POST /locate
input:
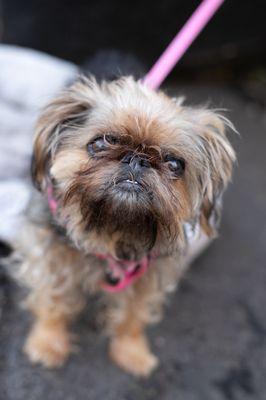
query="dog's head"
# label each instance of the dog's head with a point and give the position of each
(129, 166)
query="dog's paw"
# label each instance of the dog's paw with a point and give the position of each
(133, 355)
(48, 346)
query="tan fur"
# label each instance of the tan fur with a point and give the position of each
(132, 353)
(49, 342)
(61, 270)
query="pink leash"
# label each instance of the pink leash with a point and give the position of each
(181, 43)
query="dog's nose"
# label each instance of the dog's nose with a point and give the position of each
(136, 161)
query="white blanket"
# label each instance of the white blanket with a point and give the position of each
(28, 79)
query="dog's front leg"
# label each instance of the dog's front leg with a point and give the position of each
(55, 302)
(49, 341)
(129, 347)
(52, 271)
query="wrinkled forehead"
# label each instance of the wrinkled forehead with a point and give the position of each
(150, 123)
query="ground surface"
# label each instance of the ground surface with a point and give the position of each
(212, 341)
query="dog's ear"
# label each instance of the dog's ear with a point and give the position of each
(68, 111)
(216, 158)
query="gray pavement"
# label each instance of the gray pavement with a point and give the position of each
(212, 341)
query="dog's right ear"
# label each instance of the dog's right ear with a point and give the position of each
(68, 111)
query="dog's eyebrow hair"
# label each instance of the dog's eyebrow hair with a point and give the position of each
(76, 121)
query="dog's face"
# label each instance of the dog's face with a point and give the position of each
(129, 166)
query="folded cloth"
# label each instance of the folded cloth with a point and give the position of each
(28, 79)
(14, 197)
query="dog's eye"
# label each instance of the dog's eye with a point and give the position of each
(176, 165)
(101, 143)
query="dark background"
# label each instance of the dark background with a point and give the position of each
(75, 30)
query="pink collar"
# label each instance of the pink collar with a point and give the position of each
(52, 203)
(126, 272)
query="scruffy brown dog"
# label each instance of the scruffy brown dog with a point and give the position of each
(123, 173)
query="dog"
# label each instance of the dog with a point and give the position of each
(125, 175)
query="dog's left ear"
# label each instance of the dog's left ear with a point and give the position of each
(216, 161)
(68, 111)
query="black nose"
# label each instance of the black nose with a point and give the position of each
(135, 161)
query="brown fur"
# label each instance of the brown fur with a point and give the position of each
(96, 216)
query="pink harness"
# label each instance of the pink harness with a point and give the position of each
(124, 271)
(128, 272)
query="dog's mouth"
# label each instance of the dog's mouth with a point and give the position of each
(129, 184)
(131, 181)
(120, 274)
